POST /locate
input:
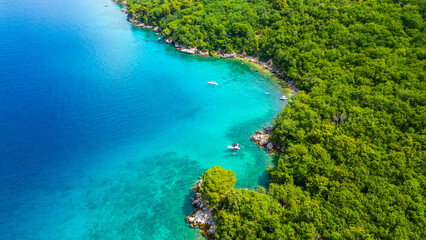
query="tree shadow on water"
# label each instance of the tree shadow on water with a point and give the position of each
(187, 207)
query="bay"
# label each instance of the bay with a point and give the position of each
(103, 130)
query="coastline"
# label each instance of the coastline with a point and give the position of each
(194, 51)
(202, 216)
(321, 41)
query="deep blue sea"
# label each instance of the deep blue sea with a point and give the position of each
(103, 130)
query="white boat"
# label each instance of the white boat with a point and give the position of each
(106, 5)
(283, 98)
(266, 92)
(212, 83)
(234, 146)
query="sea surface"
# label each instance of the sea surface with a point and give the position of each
(103, 130)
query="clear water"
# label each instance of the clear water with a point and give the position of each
(103, 130)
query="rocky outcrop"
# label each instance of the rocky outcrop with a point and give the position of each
(184, 49)
(140, 24)
(262, 139)
(203, 54)
(195, 51)
(231, 55)
(202, 216)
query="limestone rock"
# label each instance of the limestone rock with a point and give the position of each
(202, 216)
(232, 55)
(270, 146)
(262, 140)
(204, 54)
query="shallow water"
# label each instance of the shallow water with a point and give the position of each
(103, 130)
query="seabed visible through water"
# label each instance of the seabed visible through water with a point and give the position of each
(104, 130)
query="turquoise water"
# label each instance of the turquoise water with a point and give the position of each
(103, 130)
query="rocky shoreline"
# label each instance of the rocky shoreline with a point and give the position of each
(202, 216)
(266, 65)
(181, 48)
(262, 139)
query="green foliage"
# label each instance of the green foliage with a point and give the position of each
(250, 215)
(279, 4)
(354, 166)
(217, 182)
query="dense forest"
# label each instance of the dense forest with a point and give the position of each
(354, 165)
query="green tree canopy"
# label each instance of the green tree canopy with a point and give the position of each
(354, 138)
(217, 182)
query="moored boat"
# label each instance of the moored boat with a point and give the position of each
(212, 83)
(283, 98)
(234, 146)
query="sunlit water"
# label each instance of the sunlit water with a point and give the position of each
(103, 130)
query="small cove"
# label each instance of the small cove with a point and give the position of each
(104, 130)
